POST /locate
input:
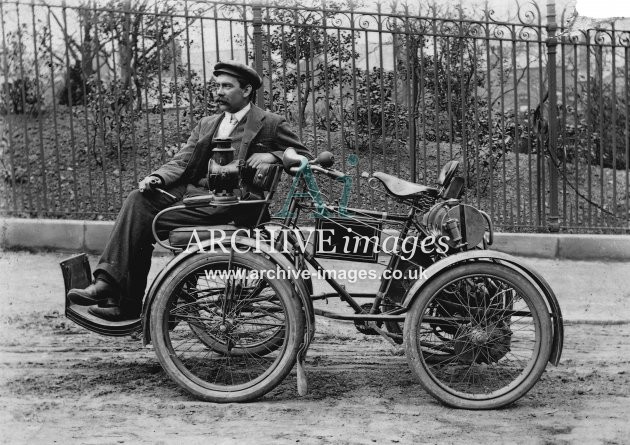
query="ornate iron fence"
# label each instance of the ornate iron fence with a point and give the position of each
(94, 96)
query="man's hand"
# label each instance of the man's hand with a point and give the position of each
(260, 158)
(149, 183)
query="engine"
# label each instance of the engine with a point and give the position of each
(463, 224)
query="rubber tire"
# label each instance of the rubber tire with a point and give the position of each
(540, 316)
(294, 330)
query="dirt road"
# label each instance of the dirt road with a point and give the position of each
(62, 384)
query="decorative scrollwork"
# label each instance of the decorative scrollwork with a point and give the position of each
(367, 22)
(393, 24)
(228, 12)
(501, 32)
(574, 37)
(198, 9)
(529, 33)
(490, 15)
(310, 17)
(338, 20)
(528, 13)
(624, 38)
(603, 37)
(475, 30)
(449, 28)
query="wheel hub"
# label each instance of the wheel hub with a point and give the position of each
(478, 336)
(227, 326)
(483, 343)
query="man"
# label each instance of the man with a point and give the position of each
(260, 136)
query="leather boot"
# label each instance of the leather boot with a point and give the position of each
(113, 313)
(95, 293)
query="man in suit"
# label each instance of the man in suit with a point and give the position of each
(258, 136)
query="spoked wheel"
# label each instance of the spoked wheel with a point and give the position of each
(478, 337)
(223, 330)
(258, 337)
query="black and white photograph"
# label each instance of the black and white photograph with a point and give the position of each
(314, 222)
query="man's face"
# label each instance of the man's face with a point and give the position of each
(230, 96)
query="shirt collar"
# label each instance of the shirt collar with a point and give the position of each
(239, 115)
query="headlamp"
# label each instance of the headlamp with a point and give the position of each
(223, 171)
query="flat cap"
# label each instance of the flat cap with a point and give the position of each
(238, 69)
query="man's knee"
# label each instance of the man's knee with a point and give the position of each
(136, 197)
(137, 204)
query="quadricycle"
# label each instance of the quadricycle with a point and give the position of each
(232, 313)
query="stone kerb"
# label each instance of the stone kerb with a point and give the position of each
(91, 236)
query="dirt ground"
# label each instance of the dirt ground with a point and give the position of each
(62, 384)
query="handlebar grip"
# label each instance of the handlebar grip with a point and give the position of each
(333, 174)
(292, 160)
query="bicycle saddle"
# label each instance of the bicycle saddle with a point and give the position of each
(401, 188)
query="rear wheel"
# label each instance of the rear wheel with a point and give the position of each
(478, 336)
(223, 329)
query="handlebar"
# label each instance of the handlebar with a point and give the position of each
(331, 173)
(294, 162)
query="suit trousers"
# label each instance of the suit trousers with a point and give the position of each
(127, 255)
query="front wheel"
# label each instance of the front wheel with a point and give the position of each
(224, 328)
(478, 337)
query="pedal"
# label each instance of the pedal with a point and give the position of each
(365, 327)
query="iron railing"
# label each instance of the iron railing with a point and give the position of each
(96, 95)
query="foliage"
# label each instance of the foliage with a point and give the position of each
(116, 55)
(307, 61)
(20, 97)
(192, 94)
(111, 117)
(488, 141)
(22, 93)
(597, 126)
(311, 67)
(371, 111)
(444, 87)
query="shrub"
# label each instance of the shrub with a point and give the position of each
(21, 97)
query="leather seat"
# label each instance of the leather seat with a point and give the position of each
(181, 237)
(403, 189)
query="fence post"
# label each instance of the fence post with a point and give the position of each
(552, 42)
(412, 52)
(258, 49)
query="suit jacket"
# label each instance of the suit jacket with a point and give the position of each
(265, 132)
